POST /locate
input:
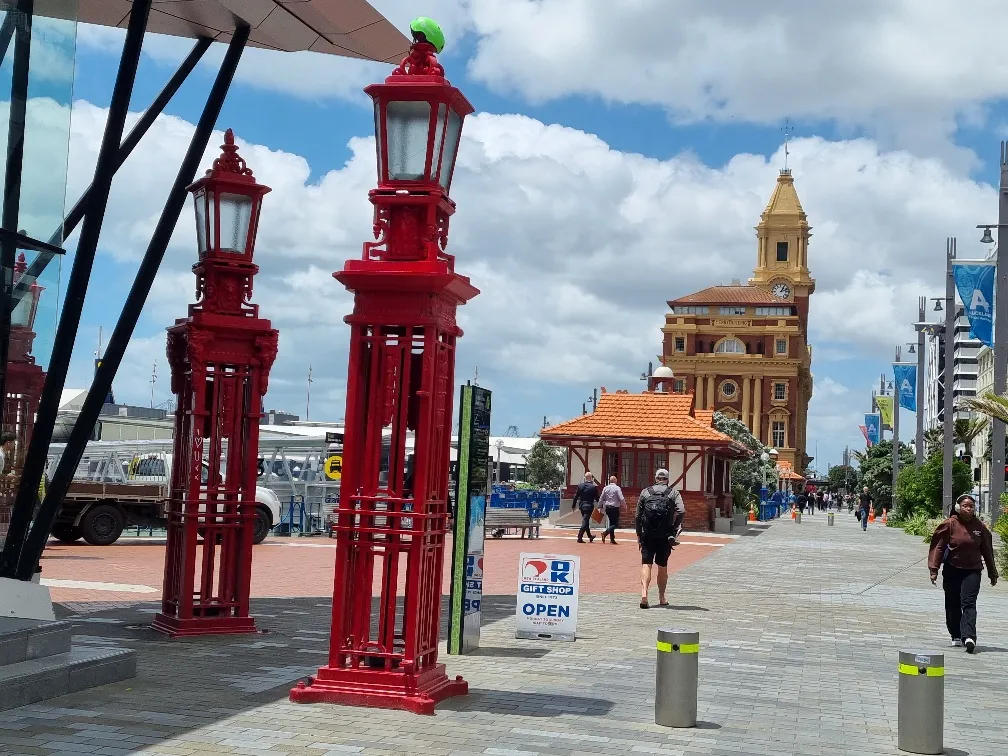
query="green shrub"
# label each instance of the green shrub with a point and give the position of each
(919, 487)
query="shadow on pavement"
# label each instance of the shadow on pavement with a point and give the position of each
(684, 608)
(504, 652)
(526, 703)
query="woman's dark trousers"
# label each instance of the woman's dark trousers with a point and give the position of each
(961, 590)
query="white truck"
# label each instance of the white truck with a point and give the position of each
(125, 483)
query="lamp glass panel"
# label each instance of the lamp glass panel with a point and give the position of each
(438, 133)
(453, 132)
(235, 218)
(199, 205)
(22, 313)
(378, 136)
(408, 125)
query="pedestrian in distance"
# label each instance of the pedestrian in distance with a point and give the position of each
(961, 545)
(585, 498)
(611, 500)
(655, 523)
(864, 507)
(802, 500)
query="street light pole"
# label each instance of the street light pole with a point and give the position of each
(997, 473)
(949, 404)
(921, 304)
(895, 434)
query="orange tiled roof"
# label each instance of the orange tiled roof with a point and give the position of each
(651, 415)
(786, 472)
(728, 295)
(704, 416)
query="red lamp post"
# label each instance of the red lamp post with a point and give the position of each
(24, 378)
(391, 519)
(220, 358)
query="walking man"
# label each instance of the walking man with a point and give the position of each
(864, 507)
(584, 499)
(611, 500)
(655, 521)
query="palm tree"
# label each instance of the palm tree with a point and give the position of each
(967, 430)
(994, 406)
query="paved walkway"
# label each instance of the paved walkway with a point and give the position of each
(800, 629)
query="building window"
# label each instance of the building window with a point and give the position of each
(782, 251)
(680, 343)
(729, 390)
(779, 312)
(730, 346)
(778, 432)
(732, 310)
(779, 391)
(691, 310)
(645, 473)
(626, 468)
(781, 347)
(679, 385)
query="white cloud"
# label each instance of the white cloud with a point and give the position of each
(576, 248)
(908, 71)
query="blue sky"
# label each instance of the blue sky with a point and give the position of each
(580, 218)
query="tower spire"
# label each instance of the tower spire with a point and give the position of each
(788, 130)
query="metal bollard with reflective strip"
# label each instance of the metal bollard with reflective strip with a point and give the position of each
(829, 519)
(676, 677)
(921, 702)
(797, 517)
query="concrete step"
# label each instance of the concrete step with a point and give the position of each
(26, 639)
(81, 667)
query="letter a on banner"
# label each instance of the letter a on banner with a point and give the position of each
(975, 283)
(873, 423)
(906, 384)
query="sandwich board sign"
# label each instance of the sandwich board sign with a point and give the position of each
(547, 596)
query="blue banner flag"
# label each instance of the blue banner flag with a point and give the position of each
(906, 384)
(873, 423)
(975, 283)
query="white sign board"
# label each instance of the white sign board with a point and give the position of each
(547, 596)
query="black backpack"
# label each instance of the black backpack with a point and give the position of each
(656, 509)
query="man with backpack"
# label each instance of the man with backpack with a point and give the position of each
(656, 512)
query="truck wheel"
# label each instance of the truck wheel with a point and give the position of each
(263, 525)
(102, 525)
(66, 533)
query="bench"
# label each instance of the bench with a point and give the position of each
(500, 520)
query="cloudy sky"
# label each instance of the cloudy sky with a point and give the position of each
(617, 160)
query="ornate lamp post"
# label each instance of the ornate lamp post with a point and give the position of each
(400, 378)
(24, 377)
(220, 358)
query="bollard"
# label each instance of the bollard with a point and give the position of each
(797, 517)
(676, 677)
(829, 519)
(921, 705)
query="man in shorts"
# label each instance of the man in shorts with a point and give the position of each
(656, 510)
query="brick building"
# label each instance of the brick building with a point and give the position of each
(632, 435)
(743, 349)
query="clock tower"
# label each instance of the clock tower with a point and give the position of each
(782, 248)
(743, 350)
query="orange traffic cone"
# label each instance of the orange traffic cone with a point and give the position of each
(871, 515)
(885, 516)
(752, 513)
(793, 512)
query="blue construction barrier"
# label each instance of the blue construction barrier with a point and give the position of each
(538, 503)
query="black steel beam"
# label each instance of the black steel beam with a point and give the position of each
(21, 24)
(135, 300)
(73, 302)
(6, 32)
(37, 266)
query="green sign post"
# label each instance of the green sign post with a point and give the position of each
(472, 495)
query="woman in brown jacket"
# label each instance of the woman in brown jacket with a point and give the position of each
(962, 544)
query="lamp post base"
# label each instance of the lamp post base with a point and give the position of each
(175, 627)
(380, 689)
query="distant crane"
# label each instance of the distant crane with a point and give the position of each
(511, 432)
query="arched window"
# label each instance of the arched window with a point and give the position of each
(730, 346)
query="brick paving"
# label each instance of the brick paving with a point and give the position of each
(289, 567)
(800, 629)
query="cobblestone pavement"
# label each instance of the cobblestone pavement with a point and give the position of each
(800, 629)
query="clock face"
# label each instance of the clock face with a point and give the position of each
(782, 291)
